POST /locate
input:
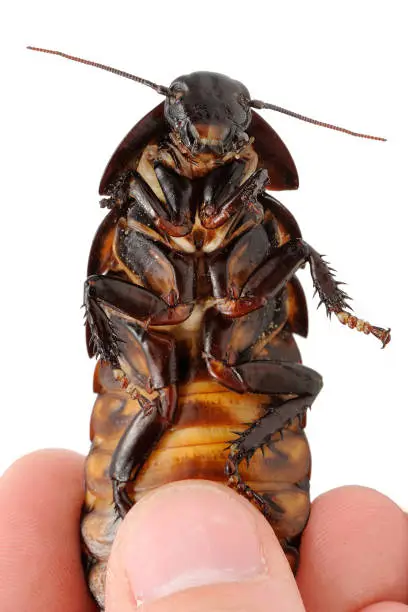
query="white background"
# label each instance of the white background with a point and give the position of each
(62, 121)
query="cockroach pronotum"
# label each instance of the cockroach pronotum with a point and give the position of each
(192, 303)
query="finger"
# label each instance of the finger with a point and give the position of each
(386, 606)
(198, 546)
(354, 552)
(40, 558)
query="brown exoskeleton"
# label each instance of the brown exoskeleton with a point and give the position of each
(191, 304)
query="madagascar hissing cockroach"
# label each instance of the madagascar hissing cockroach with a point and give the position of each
(192, 304)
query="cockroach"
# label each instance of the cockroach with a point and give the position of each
(192, 303)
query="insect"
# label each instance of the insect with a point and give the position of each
(192, 303)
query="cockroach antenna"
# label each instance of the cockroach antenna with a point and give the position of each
(279, 109)
(161, 89)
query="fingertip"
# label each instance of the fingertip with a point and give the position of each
(195, 545)
(46, 461)
(40, 503)
(386, 606)
(354, 551)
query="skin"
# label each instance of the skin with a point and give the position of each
(354, 555)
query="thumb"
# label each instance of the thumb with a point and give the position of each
(198, 546)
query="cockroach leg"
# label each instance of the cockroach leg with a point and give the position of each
(173, 216)
(140, 434)
(335, 299)
(271, 276)
(221, 184)
(137, 442)
(330, 294)
(353, 322)
(292, 554)
(277, 270)
(288, 223)
(270, 378)
(231, 267)
(130, 346)
(118, 191)
(177, 190)
(100, 291)
(262, 433)
(213, 215)
(104, 293)
(103, 340)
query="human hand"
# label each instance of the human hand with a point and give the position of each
(354, 554)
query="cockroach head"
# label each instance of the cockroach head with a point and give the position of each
(209, 112)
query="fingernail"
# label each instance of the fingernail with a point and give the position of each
(187, 535)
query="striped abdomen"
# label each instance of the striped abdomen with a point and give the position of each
(195, 447)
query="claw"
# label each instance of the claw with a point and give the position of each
(122, 501)
(382, 334)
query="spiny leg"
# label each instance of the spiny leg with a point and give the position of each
(335, 299)
(291, 387)
(261, 434)
(144, 361)
(271, 276)
(276, 378)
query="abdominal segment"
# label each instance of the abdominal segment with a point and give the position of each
(195, 447)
